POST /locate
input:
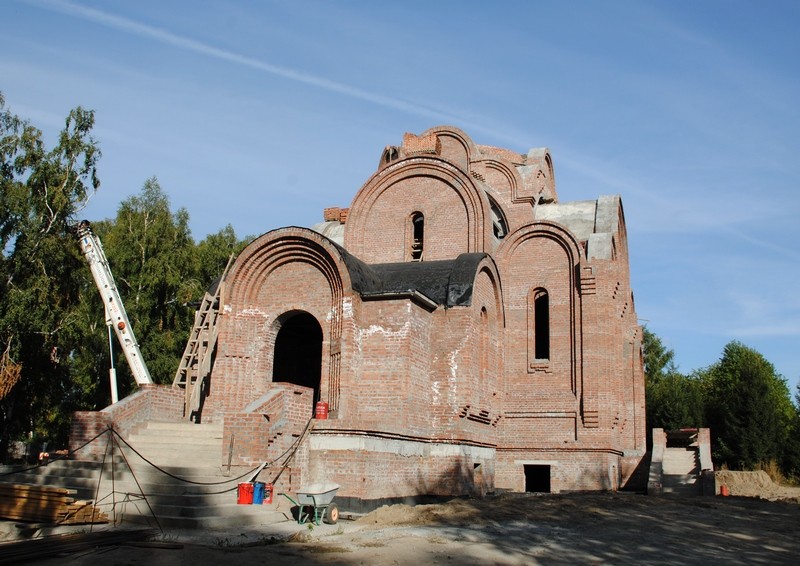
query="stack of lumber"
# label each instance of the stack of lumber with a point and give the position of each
(46, 504)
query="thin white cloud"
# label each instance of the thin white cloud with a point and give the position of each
(167, 37)
(691, 217)
(187, 44)
(777, 328)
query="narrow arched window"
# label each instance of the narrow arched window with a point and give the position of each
(499, 224)
(483, 344)
(541, 324)
(417, 236)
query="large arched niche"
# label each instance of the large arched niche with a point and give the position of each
(260, 285)
(541, 229)
(276, 248)
(544, 256)
(490, 289)
(488, 302)
(379, 211)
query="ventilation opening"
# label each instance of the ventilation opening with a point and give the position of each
(298, 353)
(537, 478)
(541, 314)
(417, 236)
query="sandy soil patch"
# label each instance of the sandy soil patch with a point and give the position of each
(513, 529)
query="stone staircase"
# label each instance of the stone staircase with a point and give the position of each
(680, 471)
(182, 486)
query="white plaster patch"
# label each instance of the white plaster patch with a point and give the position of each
(347, 307)
(378, 329)
(452, 380)
(252, 312)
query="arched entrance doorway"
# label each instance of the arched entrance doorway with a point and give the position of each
(298, 352)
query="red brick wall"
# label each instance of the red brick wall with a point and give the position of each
(371, 468)
(267, 428)
(254, 314)
(569, 470)
(455, 211)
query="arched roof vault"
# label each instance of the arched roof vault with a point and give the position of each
(278, 247)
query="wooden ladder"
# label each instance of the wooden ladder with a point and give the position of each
(195, 367)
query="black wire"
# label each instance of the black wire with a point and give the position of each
(57, 458)
(291, 450)
(173, 476)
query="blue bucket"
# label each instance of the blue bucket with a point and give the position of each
(258, 493)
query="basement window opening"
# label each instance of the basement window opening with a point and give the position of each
(537, 478)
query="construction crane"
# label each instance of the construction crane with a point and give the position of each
(116, 317)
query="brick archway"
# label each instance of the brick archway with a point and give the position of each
(297, 354)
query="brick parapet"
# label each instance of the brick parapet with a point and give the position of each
(151, 402)
(268, 428)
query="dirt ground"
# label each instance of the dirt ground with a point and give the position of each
(613, 528)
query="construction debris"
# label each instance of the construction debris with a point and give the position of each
(46, 504)
(37, 549)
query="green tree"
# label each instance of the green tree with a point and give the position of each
(658, 359)
(214, 252)
(749, 408)
(42, 191)
(154, 262)
(791, 457)
(674, 401)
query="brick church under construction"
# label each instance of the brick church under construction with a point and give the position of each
(462, 330)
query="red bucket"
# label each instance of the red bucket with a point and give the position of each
(245, 494)
(321, 412)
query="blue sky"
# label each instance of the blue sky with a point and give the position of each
(262, 113)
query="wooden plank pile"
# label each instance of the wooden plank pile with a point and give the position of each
(46, 504)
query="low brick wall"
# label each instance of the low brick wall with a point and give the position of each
(150, 402)
(381, 469)
(267, 428)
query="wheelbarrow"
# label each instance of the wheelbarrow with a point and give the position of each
(314, 503)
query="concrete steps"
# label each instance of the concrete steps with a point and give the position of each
(179, 444)
(681, 469)
(200, 495)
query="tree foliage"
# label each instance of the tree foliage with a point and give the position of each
(791, 456)
(741, 398)
(54, 345)
(674, 401)
(152, 255)
(749, 408)
(42, 190)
